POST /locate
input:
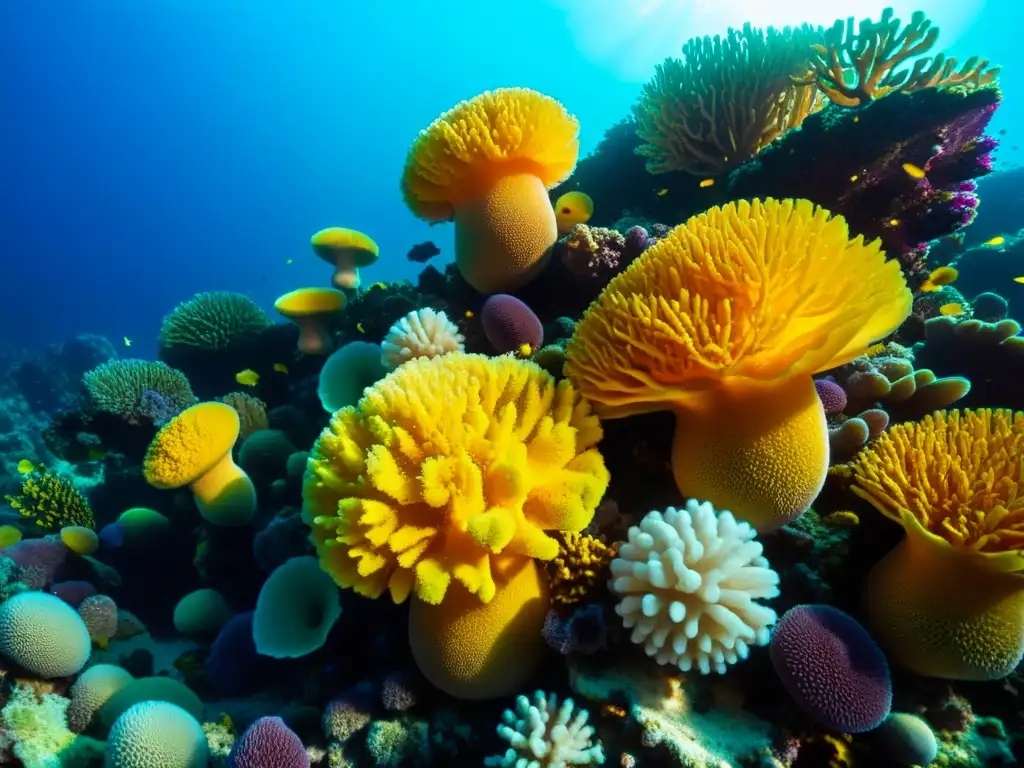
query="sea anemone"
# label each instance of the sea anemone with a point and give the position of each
(723, 322)
(948, 601)
(487, 164)
(212, 321)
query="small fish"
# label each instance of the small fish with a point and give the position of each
(994, 241)
(281, 368)
(705, 183)
(662, 192)
(913, 171)
(953, 309)
(525, 350)
(894, 222)
(854, 177)
(289, 261)
(247, 378)
(938, 278)
(856, 118)
(379, 286)
(571, 209)
(1018, 279)
(469, 314)
(1002, 132)
(359, 327)
(127, 341)
(26, 467)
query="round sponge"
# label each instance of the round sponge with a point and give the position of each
(296, 609)
(92, 690)
(201, 613)
(832, 668)
(157, 733)
(268, 743)
(43, 634)
(510, 325)
(165, 689)
(907, 740)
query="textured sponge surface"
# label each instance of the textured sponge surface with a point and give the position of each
(44, 635)
(157, 733)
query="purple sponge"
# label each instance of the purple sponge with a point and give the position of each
(268, 743)
(832, 668)
(832, 396)
(509, 324)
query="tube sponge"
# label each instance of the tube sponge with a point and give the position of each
(543, 733)
(43, 634)
(688, 580)
(157, 733)
(296, 609)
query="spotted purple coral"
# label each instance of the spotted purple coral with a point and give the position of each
(832, 396)
(268, 743)
(99, 613)
(39, 559)
(832, 668)
(508, 324)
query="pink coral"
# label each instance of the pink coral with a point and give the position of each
(832, 396)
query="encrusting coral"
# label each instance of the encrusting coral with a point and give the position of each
(725, 99)
(948, 601)
(688, 581)
(855, 65)
(581, 563)
(487, 164)
(443, 482)
(723, 322)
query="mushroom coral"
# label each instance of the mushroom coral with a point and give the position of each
(310, 308)
(948, 601)
(347, 250)
(194, 449)
(723, 322)
(447, 464)
(487, 164)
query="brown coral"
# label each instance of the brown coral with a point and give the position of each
(252, 413)
(856, 65)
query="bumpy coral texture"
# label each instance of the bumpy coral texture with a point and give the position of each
(445, 463)
(832, 668)
(37, 727)
(581, 564)
(688, 582)
(832, 396)
(252, 412)
(509, 324)
(119, 387)
(92, 690)
(44, 635)
(542, 733)
(99, 613)
(157, 733)
(268, 743)
(723, 322)
(505, 130)
(421, 333)
(212, 321)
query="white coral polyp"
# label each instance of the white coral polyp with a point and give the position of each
(545, 735)
(421, 333)
(688, 581)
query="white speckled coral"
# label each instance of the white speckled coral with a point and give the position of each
(688, 580)
(542, 734)
(421, 333)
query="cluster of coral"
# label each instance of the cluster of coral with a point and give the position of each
(744, 490)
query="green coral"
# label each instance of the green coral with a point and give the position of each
(120, 386)
(212, 321)
(220, 738)
(38, 727)
(51, 501)
(393, 743)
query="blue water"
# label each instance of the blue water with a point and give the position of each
(150, 149)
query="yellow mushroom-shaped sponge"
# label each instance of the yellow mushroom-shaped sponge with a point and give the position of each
(448, 467)
(487, 163)
(311, 310)
(723, 322)
(948, 601)
(347, 250)
(194, 449)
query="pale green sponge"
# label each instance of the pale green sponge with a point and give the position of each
(43, 634)
(40, 733)
(157, 733)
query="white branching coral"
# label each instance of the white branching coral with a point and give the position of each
(421, 333)
(545, 735)
(688, 580)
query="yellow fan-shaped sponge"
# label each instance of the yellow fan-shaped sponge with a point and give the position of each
(723, 322)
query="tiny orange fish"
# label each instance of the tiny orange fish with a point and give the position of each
(938, 278)
(953, 309)
(705, 183)
(1018, 279)
(994, 241)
